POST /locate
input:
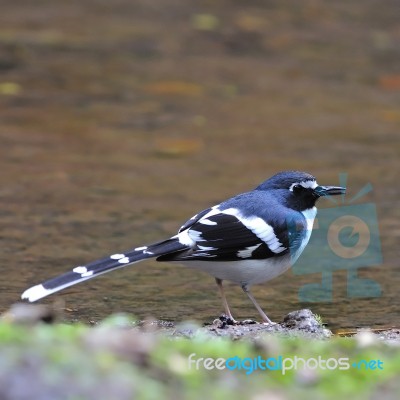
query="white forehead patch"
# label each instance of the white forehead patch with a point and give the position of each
(311, 184)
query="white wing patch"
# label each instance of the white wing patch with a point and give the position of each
(248, 251)
(260, 228)
(206, 221)
(214, 210)
(206, 248)
(184, 238)
(195, 236)
(189, 237)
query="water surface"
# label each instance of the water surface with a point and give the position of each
(119, 123)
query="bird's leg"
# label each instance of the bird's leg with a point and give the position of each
(224, 301)
(253, 300)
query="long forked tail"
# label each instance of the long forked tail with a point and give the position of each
(95, 268)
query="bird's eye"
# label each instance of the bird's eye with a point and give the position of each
(297, 188)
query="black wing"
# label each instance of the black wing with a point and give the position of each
(225, 237)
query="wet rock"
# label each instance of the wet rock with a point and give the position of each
(305, 321)
(391, 336)
(186, 329)
(297, 323)
(29, 314)
(302, 319)
(223, 321)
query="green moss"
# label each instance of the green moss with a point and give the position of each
(118, 362)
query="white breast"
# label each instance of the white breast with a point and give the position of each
(309, 215)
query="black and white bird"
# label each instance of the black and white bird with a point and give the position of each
(248, 239)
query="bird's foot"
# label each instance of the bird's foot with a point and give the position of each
(228, 319)
(223, 320)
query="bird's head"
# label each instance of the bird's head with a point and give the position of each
(300, 190)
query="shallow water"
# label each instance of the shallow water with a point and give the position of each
(117, 124)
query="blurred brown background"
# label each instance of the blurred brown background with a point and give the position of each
(121, 119)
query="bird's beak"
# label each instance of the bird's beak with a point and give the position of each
(329, 190)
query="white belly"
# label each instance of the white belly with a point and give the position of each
(248, 272)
